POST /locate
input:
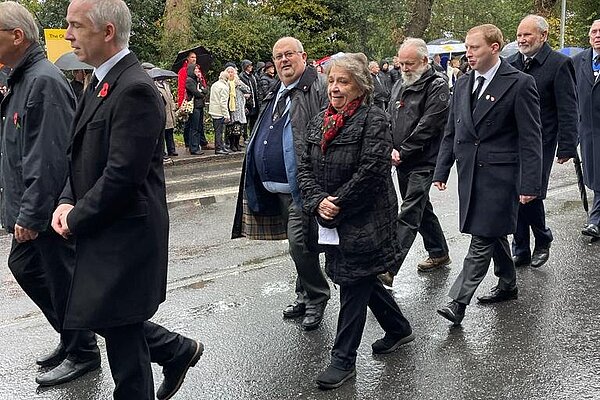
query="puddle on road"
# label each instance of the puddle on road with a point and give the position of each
(196, 285)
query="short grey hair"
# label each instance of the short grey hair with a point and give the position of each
(356, 64)
(298, 43)
(418, 44)
(15, 16)
(373, 64)
(540, 21)
(115, 12)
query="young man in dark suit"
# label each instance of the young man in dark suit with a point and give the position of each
(114, 204)
(587, 72)
(554, 76)
(493, 134)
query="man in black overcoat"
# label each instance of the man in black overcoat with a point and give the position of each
(36, 114)
(114, 204)
(494, 135)
(587, 72)
(554, 76)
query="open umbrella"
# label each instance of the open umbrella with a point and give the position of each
(445, 46)
(203, 58)
(509, 49)
(159, 74)
(570, 51)
(69, 62)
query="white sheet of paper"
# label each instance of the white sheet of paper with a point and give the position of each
(328, 236)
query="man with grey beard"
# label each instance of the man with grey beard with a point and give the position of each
(418, 109)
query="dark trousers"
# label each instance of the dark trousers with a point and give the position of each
(251, 122)
(311, 285)
(595, 211)
(481, 251)
(131, 349)
(416, 214)
(186, 131)
(219, 126)
(197, 138)
(354, 299)
(169, 141)
(531, 215)
(43, 268)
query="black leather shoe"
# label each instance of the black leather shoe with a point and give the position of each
(591, 230)
(313, 316)
(54, 358)
(496, 296)
(334, 377)
(521, 261)
(540, 256)
(173, 154)
(294, 310)
(389, 343)
(67, 371)
(174, 372)
(453, 312)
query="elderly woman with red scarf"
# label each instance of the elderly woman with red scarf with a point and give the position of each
(351, 208)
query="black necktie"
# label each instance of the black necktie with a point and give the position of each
(477, 92)
(93, 83)
(281, 103)
(527, 63)
(596, 67)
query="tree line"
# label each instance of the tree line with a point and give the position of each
(233, 30)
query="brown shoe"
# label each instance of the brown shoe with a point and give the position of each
(431, 263)
(386, 278)
(208, 146)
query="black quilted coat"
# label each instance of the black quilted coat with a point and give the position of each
(356, 168)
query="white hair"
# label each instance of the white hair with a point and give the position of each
(417, 44)
(13, 16)
(115, 12)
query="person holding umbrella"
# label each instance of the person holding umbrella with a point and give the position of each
(182, 76)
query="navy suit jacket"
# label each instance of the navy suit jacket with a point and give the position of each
(554, 76)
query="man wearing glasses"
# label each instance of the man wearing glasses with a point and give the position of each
(269, 204)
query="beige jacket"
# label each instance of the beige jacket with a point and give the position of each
(170, 107)
(219, 97)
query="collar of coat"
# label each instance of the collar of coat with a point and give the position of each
(517, 59)
(32, 55)
(309, 75)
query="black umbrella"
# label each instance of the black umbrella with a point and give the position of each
(580, 184)
(203, 58)
(159, 74)
(69, 62)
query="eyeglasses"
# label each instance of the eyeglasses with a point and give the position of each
(287, 54)
(7, 29)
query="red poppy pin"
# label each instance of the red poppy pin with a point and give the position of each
(104, 90)
(16, 120)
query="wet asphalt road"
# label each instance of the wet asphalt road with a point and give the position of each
(229, 294)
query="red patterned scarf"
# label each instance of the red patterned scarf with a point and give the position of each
(334, 120)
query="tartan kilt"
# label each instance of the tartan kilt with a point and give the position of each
(262, 227)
